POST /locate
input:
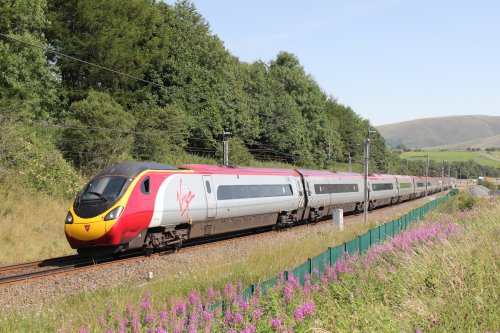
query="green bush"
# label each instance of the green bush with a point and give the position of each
(35, 161)
(98, 133)
(465, 201)
(487, 184)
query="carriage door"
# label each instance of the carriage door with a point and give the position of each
(301, 192)
(210, 196)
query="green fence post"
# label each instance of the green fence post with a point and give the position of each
(329, 256)
(285, 276)
(309, 262)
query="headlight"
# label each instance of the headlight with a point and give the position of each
(114, 214)
(69, 218)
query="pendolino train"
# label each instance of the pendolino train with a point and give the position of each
(150, 205)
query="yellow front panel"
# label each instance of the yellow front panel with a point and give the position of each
(86, 232)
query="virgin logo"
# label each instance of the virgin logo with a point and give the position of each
(184, 199)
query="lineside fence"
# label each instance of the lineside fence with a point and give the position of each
(359, 246)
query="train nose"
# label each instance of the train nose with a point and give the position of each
(86, 231)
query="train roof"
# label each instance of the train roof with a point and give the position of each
(234, 169)
(132, 169)
(327, 173)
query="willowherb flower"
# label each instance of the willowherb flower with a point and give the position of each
(288, 291)
(207, 316)
(229, 291)
(256, 315)
(101, 321)
(145, 305)
(308, 308)
(237, 318)
(163, 315)
(228, 317)
(149, 318)
(276, 323)
(193, 321)
(307, 288)
(249, 329)
(210, 293)
(298, 314)
(243, 305)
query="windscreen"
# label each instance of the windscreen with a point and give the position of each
(106, 188)
(99, 195)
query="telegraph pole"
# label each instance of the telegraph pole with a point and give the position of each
(367, 159)
(426, 174)
(225, 147)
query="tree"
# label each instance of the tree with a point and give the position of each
(28, 84)
(158, 131)
(98, 133)
(117, 34)
(309, 100)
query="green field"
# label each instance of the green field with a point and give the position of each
(480, 157)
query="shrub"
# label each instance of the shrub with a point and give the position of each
(465, 201)
(98, 133)
(487, 184)
(34, 160)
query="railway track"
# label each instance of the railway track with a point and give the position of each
(31, 271)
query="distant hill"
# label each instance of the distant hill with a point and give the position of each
(492, 141)
(440, 131)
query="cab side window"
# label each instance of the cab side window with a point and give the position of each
(145, 186)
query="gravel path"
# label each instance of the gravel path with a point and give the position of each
(37, 294)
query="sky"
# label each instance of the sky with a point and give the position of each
(389, 60)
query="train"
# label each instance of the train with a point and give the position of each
(151, 206)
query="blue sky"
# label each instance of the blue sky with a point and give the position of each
(390, 60)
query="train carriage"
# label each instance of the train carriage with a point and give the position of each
(327, 190)
(406, 188)
(383, 190)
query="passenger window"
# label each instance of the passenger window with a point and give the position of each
(209, 189)
(145, 186)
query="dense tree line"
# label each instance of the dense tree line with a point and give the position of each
(182, 88)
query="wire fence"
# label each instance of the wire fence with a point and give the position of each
(357, 246)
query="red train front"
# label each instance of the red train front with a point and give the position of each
(113, 211)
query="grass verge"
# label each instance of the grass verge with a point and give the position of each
(31, 225)
(402, 293)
